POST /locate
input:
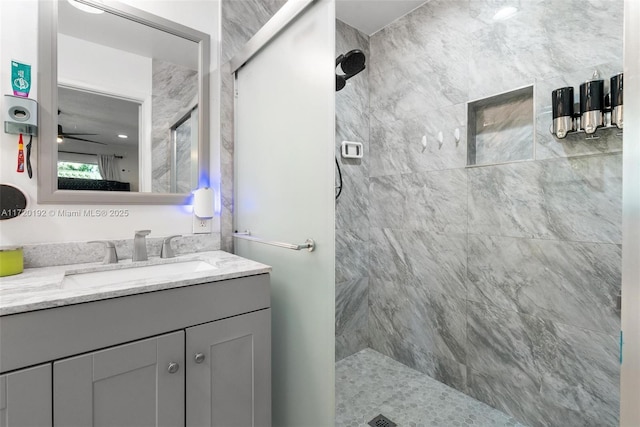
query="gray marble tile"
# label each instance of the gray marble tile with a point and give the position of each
(354, 205)
(436, 322)
(521, 400)
(352, 310)
(503, 344)
(423, 329)
(386, 195)
(389, 259)
(503, 132)
(569, 199)
(436, 201)
(183, 158)
(483, 11)
(352, 254)
(241, 20)
(53, 254)
(388, 141)
(417, 86)
(573, 283)
(450, 153)
(174, 93)
(504, 57)
(351, 342)
(434, 33)
(396, 143)
(523, 364)
(580, 371)
(432, 261)
(525, 404)
(226, 158)
(547, 146)
(540, 41)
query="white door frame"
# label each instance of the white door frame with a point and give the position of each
(630, 368)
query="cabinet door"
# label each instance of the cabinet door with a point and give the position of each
(129, 385)
(229, 372)
(25, 398)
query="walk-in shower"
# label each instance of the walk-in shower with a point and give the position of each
(497, 278)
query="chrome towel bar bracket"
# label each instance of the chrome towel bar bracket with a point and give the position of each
(309, 244)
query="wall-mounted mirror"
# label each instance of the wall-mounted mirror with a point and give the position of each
(123, 105)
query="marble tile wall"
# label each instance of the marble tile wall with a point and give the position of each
(352, 208)
(174, 94)
(503, 130)
(239, 22)
(52, 254)
(184, 179)
(497, 280)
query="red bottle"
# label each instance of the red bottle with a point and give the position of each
(20, 155)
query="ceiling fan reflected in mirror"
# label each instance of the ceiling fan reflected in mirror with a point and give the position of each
(62, 135)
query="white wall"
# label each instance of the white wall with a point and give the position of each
(18, 40)
(94, 66)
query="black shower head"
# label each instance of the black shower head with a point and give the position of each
(351, 64)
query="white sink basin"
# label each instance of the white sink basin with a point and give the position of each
(173, 270)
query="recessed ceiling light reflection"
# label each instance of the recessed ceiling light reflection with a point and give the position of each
(123, 136)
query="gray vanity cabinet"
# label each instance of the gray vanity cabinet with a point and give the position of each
(193, 355)
(137, 384)
(229, 372)
(25, 397)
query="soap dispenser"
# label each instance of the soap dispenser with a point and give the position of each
(591, 105)
(616, 100)
(562, 109)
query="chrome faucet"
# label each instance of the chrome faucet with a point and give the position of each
(167, 250)
(140, 245)
(110, 255)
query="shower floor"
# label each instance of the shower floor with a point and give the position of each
(369, 383)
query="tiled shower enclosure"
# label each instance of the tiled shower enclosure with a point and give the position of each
(499, 280)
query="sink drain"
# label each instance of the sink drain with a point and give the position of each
(381, 421)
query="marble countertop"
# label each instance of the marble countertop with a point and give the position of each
(41, 288)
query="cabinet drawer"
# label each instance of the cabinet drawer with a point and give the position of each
(41, 336)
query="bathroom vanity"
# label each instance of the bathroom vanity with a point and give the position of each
(192, 350)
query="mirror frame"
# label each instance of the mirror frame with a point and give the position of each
(47, 148)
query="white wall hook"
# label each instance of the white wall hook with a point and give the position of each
(456, 135)
(440, 139)
(424, 142)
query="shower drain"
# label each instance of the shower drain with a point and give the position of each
(381, 421)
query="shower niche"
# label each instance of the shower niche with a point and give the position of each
(500, 128)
